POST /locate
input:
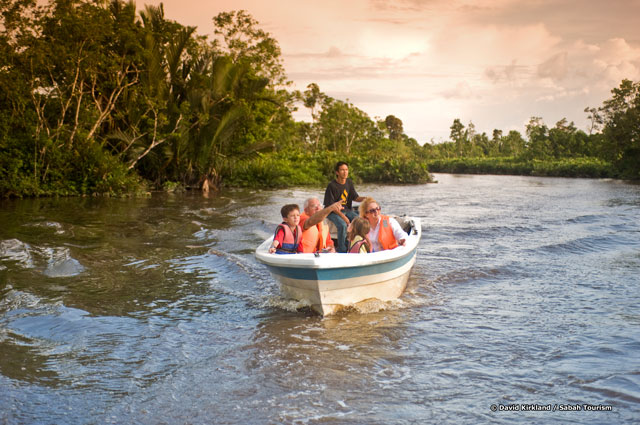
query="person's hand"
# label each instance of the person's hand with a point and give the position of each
(331, 249)
(336, 206)
(402, 242)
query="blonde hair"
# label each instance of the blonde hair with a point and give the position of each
(359, 227)
(364, 206)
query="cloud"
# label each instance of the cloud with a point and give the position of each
(406, 5)
(496, 62)
(333, 52)
(617, 59)
(462, 90)
(358, 97)
(556, 67)
(509, 73)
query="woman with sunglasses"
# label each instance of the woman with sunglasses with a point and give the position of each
(385, 232)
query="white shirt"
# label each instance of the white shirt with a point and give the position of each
(398, 233)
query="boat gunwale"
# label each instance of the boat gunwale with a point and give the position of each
(340, 260)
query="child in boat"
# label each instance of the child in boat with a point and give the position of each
(357, 235)
(288, 236)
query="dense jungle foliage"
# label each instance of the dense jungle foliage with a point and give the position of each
(96, 98)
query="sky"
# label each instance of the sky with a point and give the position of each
(495, 63)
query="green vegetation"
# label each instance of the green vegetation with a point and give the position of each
(611, 149)
(566, 167)
(97, 99)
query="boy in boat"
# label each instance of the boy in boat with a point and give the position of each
(342, 189)
(288, 236)
(357, 234)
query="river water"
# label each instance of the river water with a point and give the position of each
(525, 295)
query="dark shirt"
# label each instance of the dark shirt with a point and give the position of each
(336, 192)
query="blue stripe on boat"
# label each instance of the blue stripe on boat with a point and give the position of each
(340, 273)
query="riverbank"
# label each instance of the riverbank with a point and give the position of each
(567, 167)
(263, 171)
(294, 169)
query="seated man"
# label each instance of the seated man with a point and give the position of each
(315, 235)
(342, 189)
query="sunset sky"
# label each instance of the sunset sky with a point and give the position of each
(496, 63)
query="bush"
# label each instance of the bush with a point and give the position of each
(299, 169)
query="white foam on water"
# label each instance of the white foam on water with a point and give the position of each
(15, 299)
(61, 263)
(59, 230)
(18, 251)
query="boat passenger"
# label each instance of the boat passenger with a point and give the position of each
(342, 189)
(288, 235)
(385, 232)
(357, 234)
(315, 235)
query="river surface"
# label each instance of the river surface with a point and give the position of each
(525, 295)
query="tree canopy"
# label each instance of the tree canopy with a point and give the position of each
(97, 98)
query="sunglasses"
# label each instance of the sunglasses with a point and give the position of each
(373, 210)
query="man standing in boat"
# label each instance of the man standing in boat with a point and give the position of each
(342, 189)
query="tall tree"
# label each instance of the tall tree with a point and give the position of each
(343, 126)
(239, 36)
(457, 135)
(538, 145)
(394, 126)
(315, 100)
(621, 116)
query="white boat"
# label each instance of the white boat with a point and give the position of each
(329, 282)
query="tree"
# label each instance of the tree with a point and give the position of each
(562, 139)
(457, 135)
(513, 143)
(343, 126)
(316, 101)
(394, 126)
(76, 61)
(153, 115)
(621, 117)
(595, 119)
(538, 146)
(241, 39)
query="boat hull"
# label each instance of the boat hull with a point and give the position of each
(329, 282)
(329, 290)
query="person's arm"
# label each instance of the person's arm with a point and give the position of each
(354, 194)
(322, 214)
(400, 235)
(277, 240)
(344, 217)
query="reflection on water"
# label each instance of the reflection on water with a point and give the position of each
(154, 310)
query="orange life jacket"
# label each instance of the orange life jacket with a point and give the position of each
(314, 238)
(385, 234)
(290, 240)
